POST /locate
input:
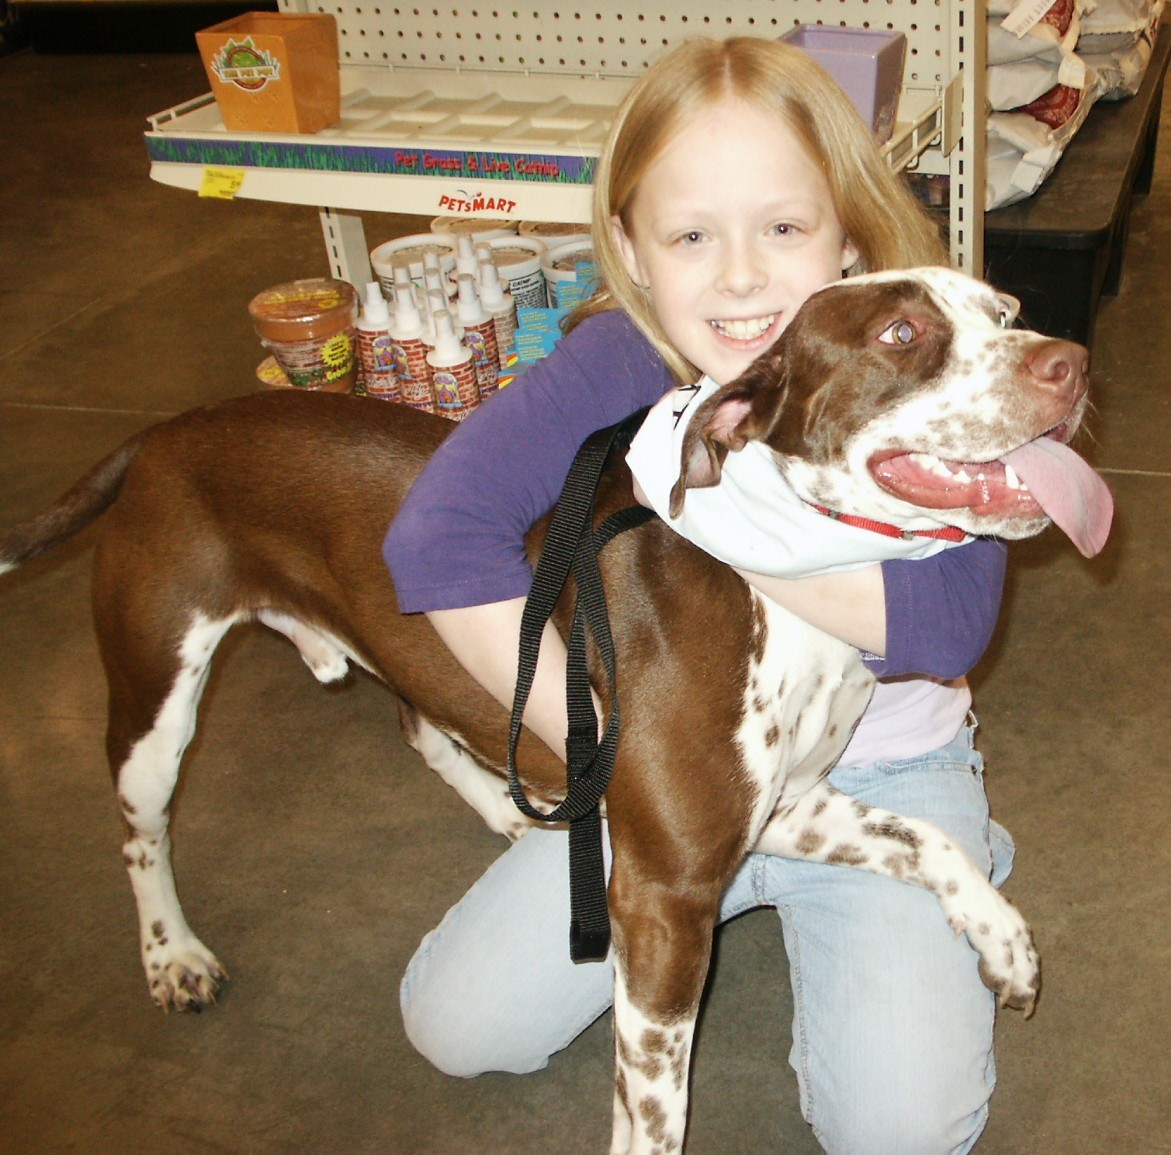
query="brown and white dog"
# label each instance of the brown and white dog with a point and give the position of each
(893, 397)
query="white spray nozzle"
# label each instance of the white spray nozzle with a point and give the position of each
(406, 313)
(491, 290)
(376, 311)
(447, 344)
(465, 259)
(470, 311)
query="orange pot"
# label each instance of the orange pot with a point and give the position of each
(274, 71)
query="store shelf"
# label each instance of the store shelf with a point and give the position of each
(502, 113)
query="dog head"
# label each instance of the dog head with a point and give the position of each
(905, 397)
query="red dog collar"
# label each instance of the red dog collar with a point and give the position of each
(947, 533)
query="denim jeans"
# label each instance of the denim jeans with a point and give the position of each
(892, 1027)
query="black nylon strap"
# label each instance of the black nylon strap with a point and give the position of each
(572, 545)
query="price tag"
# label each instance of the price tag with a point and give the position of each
(1025, 16)
(221, 182)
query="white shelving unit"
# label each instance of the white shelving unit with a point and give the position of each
(489, 111)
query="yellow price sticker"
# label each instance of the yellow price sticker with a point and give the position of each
(221, 182)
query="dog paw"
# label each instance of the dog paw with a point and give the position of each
(1010, 965)
(186, 980)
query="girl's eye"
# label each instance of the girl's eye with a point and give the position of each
(784, 230)
(692, 237)
(900, 333)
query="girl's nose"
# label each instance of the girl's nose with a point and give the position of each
(742, 272)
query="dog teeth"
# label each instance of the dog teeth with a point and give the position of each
(744, 330)
(1011, 479)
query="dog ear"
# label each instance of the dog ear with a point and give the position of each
(714, 428)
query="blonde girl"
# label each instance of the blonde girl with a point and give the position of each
(737, 179)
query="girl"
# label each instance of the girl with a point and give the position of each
(737, 180)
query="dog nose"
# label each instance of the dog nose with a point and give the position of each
(1061, 366)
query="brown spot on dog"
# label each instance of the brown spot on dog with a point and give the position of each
(652, 1114)
(893, 830)
(772, 736)
(951, 887)
(810, 841)
(654, 1041)
(846, 855)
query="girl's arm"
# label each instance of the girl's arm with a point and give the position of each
(458, 539)
(933, 616)
(456, 549)
(850, 606)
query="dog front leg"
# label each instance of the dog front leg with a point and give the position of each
(824, 825)
(662, 930)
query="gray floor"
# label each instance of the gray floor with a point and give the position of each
(312, 849)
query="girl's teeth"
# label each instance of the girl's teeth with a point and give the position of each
(744, 330)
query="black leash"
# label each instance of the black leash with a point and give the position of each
(573, 545)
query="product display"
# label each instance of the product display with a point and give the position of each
(309, 326)
(376, 348)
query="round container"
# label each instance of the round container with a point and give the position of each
(309, 326)
(519, 261)
(554, 233)
(478, 228)
(560, 266)
(407, 253)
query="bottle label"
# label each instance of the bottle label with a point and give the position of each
(505, 326)
(379, 378)
(481, 340)
(414, 374)
(456, 391)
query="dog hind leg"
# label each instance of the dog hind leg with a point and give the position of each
(824, 825)
(181, 972)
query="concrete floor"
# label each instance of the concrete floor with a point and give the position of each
(312, 849)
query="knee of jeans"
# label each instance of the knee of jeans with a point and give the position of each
(929, 1129)
(455, 1036)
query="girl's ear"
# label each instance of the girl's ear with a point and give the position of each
(627, 252)
(849, 254)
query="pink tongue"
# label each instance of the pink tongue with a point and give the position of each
(1067, 489)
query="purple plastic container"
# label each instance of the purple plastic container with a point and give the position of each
(866, 63)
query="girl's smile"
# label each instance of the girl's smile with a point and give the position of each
(732, 228)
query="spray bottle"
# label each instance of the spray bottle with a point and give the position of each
(479, 336)
(410, 354)
(375, 347)
(453, 373)
(465, 257)
(500, 306)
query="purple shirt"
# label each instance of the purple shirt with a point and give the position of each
(458, 539)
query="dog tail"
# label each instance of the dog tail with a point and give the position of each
(87, 500)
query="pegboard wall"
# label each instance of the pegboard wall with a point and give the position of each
(609, 40)
(617, 40)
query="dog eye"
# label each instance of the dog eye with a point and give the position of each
(1007, 310)
(900, 333)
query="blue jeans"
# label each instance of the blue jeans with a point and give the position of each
(892, 1027)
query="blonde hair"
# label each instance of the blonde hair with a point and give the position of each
(879, 215)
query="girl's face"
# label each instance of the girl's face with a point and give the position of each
(731, 229)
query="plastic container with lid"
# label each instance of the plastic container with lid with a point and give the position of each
(518, 260)
(561, 267)
(309, 326)
(478, 228)
(554, 234)
(410, 253)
